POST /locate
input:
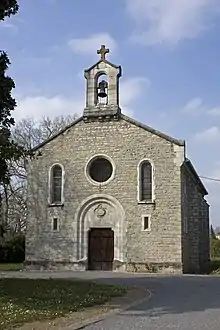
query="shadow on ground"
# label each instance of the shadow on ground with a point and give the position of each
(174, 294)
(171, 294)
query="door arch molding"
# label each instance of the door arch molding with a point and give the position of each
(85, 219)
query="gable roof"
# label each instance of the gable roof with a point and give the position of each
(126, 118)
(187, 163)
(105, 61)
(57, 134)
(153, 131)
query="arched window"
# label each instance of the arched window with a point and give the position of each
(145, 183)
(56, 184)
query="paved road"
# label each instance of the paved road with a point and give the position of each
(177, 302)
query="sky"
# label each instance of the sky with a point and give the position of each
(169, 51)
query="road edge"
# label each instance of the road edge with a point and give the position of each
(124, 307)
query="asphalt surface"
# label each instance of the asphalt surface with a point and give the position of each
(177, 302)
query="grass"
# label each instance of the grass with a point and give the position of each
(27, 300)
(10, 267)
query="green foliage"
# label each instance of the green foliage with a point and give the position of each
(9, 150)
(12, 247)
(8, 8)
(7, 101)
(212, 233)
(215, 248)
(26, 300)
(5, 267)
(214, 252)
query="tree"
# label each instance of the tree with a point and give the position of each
(9, 150)
(28, 133)
(8, 8)
(212, 233)
(217, 230)
(215, 248)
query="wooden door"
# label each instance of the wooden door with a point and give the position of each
(100, 249)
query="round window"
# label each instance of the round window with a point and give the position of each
(100, 169)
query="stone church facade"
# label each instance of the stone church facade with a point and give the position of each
(110, 193)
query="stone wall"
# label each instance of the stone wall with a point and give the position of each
(204, 239)
(185, 220)
(195, 225)
(126, 144)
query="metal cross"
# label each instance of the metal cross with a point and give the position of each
(103, 51)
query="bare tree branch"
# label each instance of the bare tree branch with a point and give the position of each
(27, 133)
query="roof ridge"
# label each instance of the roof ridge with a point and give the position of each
(152, 130)
(129, 119)
(57, 134)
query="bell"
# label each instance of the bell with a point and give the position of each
(102, 86)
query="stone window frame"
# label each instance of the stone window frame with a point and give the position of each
(52, 224)
(61, 203)
(142, 161)
(95, 183)
(143, 216)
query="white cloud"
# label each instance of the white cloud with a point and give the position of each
(38, 106)
(210, 135)
(214, 112)
(170, 20)
(194, 106)
(130, 90)
(90, 44)
(6, 25)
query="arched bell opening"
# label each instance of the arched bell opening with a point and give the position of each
(102, 85)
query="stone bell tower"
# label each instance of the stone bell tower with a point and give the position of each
(102, 89)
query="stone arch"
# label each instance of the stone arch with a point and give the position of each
(112, 216)
(100, 76)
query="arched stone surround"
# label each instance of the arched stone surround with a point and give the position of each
(101, 211)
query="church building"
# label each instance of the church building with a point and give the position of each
(110, 193)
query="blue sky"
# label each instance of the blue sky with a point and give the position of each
(169, 52)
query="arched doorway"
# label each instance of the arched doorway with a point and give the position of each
(101, 221)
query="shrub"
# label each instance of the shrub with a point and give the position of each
(215, 248)
(12, 247)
